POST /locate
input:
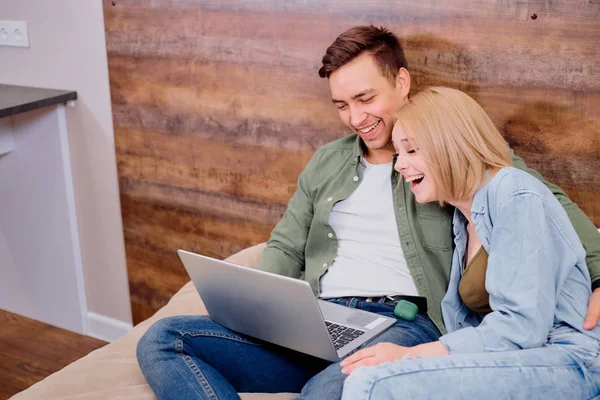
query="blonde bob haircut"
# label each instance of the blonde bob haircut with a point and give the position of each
(456, 138)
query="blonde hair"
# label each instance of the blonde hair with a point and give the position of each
(456, 137)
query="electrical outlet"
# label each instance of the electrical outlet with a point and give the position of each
(14, 33)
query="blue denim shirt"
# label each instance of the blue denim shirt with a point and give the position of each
(536, 274)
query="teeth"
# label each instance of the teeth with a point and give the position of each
(369, 129)
(413, 178)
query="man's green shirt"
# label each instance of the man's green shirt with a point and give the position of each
(301, 244)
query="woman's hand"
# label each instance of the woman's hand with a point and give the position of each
(387, 352)
(374, 355)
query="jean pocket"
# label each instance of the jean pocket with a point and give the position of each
(564, 335)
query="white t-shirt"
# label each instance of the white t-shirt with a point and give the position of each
(370, 260)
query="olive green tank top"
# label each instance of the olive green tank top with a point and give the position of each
(472, 284)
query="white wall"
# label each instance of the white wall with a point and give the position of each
(68, 51)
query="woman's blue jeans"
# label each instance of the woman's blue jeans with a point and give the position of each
(192, 357)
(566, 367)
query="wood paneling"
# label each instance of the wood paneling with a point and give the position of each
(217, 106)
(31, 350)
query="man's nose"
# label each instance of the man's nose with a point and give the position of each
(357, 116)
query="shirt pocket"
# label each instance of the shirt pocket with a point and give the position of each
(435, 226)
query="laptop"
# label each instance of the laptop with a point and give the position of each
(280, 310)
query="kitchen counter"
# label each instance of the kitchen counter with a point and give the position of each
(19, 99)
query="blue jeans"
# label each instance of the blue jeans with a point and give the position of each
(192, 357)
(566, 367)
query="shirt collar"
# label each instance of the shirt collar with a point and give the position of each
(359, 149)
(480, 199)
(459, 223)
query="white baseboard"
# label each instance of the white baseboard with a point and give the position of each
(106, 328)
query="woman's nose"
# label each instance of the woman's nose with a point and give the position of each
(400, 164)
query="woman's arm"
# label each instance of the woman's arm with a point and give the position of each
(526, 252)
(587, 232)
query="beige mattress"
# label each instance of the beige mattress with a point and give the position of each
(112, 372)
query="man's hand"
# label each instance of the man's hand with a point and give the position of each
(386, 352)
(593, 312)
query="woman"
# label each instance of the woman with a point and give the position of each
(519, 284)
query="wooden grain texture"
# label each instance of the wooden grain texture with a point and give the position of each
(217, 106)
(31, 350)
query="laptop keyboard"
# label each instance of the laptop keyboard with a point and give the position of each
(342, 335)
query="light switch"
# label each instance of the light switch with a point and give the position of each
(14, 33)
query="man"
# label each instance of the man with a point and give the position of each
(356, 234)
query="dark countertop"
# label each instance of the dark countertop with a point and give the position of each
(20, 99)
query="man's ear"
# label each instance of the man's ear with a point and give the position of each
(403, 82)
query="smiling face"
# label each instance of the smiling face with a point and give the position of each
(367, 101)
(413, 168)
(447, 146)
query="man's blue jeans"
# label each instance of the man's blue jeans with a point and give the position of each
(192, 357)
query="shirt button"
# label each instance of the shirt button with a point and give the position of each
(325, 265)
(355, 179)
(330, 235)
(329, 198)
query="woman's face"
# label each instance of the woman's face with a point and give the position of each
(413, 167)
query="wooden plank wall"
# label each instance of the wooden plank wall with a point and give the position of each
(217, 106)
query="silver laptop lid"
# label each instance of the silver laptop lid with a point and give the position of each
(270, 307)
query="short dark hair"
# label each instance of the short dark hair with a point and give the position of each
(381, 43)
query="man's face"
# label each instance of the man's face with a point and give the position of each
(367, 101)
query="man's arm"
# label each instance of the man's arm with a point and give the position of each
(588, 234)
(284, 254)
